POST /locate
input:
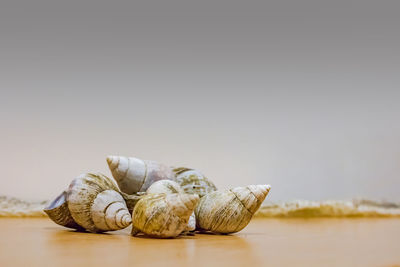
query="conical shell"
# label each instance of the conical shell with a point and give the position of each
(96, 205)
(135, 175)
(162, 215)
(229, 211)
(171, 187)
(109, 211)
(59, 213)
(193, 182)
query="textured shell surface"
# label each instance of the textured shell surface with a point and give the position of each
(229, 211)
(171, 187)
(136, 175)
(193, 182)
(96, 205)
(109, 211)
(59, 213)
(165, 186)
(163, 215)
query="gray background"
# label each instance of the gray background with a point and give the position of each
(303, 95)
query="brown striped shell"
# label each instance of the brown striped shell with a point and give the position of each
(229, 211)
(163, 215)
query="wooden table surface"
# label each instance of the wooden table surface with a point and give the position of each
(265, 242)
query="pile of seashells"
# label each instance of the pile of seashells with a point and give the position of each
(159, 201)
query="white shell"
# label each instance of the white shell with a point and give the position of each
(171, 187)
(229, 211)
(135, 175)
(109, 211)
(163, 215)
(193, 182)
(96, 205)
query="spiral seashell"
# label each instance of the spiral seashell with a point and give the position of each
(135, 175)
(96, 204)
(193, 182)
(171, 187)
(59, 213)
(163, 215)
(229, 211)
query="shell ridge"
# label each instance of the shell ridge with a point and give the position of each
(166, 221)
(91, 202)
(109, 182)
(239, 225)
(115, 219)
(90, 206)
(240, 201)
(120, 222)
(150, 217)
(91, 182)
(127, 169)
(222, 212)
(181, 170)
(105, 213)
(145, 174)
(254, 195)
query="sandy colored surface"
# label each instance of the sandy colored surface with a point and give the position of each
(265, 242)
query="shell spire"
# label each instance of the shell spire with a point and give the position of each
(229, 211)
(109, 211)
(96, 204)
(136, 175)
(251, 196)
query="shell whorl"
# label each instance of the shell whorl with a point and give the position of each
(251, 196)
(229, 211)
(89, 198)
(162, 215)
(135, 175)
(193, 182)
(109, 211)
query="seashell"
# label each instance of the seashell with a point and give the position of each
(59, 213)
(95, 203)
(171, 187)
(163, 215)
(135, 175)
(193, 182)
(229, 211)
